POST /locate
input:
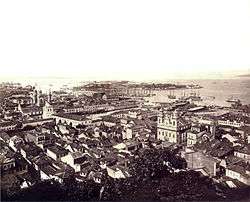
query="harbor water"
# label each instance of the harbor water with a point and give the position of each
(213, 92)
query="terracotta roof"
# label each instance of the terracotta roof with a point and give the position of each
(58, 150)
(241, 168)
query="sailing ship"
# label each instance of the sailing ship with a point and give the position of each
(194, 86)
(171, 95)
(233, 100)
(195, 97)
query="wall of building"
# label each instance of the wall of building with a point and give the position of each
(167, 135)
(235, 175)
(196, 160)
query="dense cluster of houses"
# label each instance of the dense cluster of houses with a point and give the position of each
(58, 135)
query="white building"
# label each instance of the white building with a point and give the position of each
(239, 172)
(171, 127)
(75, 160)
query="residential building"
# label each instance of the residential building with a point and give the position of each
(243, 152)
(197, 160)
(239, 171)
(7, 125)
(72, 119)
(75, 160)
(197, 133)
(56, 152)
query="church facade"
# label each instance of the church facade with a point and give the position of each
(172, 127)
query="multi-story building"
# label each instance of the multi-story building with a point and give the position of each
(239, 171)
(196, 134)
(42, 140)
(7, 125)
(243, 153)
(72, 119)
(233, 120)
(198, 161)
(172, 127)
(31, 111)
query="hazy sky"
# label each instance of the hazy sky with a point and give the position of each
(125, 39)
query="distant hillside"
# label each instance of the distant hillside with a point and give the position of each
(244, 75)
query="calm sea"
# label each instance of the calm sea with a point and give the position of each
(219, 89)
(214, 92)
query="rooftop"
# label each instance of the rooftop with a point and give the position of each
(71, 116)
(58, 150)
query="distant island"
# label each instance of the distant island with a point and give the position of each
(244, 75)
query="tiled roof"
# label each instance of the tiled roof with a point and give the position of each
(241, 168)
(58, 150)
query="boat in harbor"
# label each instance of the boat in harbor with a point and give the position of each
(210, 97)
(233, 100)
(194, 97)
(194, 86)
(171, 96)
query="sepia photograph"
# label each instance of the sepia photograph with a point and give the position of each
(125, 100)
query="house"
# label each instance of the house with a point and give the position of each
(110, 121)
(62, 128)
(90, 108)
(119, 146)
(29, 151)
(243, 152)
(117, 172)
(197, 133)
(229, 160)
(7, 125)
(135, 114)
(233, 139)
(74, 147)
(71, 119)
(42, 140)
(239, 171)
(96, 176)
(95, 153)
(75, 160)
(31, 111)
(12, 115)
(4, 137)
(87, 168)
(233, 120)
(56, 152)
(216, 148)
(108, 160)
(39, 122)
(41, 161)
(244, 131)
(132, 131)
(15, 143)
(48, 110)
(99, 96)
(133, 145)
(197, 160)
(7, 159)
(56, 170)
(22, 99)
